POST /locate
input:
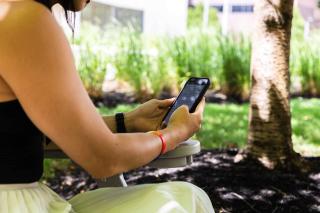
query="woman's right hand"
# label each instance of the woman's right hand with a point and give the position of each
(186, 123)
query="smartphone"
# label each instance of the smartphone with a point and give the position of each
(191, 94)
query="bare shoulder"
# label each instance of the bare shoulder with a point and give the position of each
(21, 12)
(22, 19)
(28, 33)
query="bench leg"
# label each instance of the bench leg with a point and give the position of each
(114, 181)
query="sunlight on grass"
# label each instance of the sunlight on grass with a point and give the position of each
(226, 125)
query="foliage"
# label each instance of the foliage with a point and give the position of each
(50, 165)
(195, 55)
(153, 64)
(195, 17)
(144, 64)
(89, 34)
(235, 58)
(297, 30)
(149, 66)
(304, 60)
(180, 55)
(92, 67)
(91, 58)
(163, 76)
(203, 60)
(308, 66)
(133, 63)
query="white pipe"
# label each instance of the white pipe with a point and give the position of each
(225, 17)
(205, 17)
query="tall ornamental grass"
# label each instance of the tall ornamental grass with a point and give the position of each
(152, 65)
(163, 76)
(195, 55)
(132, 63)
(235, 56)
(144, 65)
(92, 67)
(306, 68)
(204, 57)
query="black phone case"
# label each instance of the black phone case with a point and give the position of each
(197, 101)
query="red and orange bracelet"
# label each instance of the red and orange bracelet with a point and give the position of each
(163, 142)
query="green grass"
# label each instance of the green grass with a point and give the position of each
(226, 125)
(306, 126)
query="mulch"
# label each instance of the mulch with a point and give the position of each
(232, 187)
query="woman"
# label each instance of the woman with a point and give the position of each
(41, 93)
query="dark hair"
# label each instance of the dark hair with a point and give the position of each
(68, 7)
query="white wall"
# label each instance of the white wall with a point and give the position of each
(166, 17)
(160, 16)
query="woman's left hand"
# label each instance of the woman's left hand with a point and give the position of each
(148, 116)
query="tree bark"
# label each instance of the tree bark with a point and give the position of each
(269, 139)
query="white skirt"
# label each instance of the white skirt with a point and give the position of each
(180, 197)
(31, 198)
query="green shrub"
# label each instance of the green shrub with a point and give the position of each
(235, 56)
(151, 65)
(204, 57)
(145, 65)
(51, 165)
(133, 64)
(304, 59)
(179, 52)
(195, 17)
(194, 55)
(307, 65)
(163, 77)
(92, 67)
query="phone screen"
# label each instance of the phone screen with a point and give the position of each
(188, 96)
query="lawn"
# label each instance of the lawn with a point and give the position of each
(226, 125)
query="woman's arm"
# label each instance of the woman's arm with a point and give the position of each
(110, 122)
(129, 121)
(37, 63)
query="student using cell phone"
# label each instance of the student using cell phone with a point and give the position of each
(41, 93)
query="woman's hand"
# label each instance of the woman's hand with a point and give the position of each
(147, 116)
(185, 123)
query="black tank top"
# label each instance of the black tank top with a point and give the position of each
(21, 147)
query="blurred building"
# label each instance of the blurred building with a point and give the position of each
(237, 15)
(170, 16)
(234, 15)
(310, 12)
(147, 16)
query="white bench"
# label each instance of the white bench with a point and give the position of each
(180, 157)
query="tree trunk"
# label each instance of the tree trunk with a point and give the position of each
(269, 139)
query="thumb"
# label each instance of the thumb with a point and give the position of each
(183, 108)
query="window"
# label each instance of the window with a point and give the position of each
(242, 8)
(105, 15)
(97, 13)
(128, 17)
(219, 8)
